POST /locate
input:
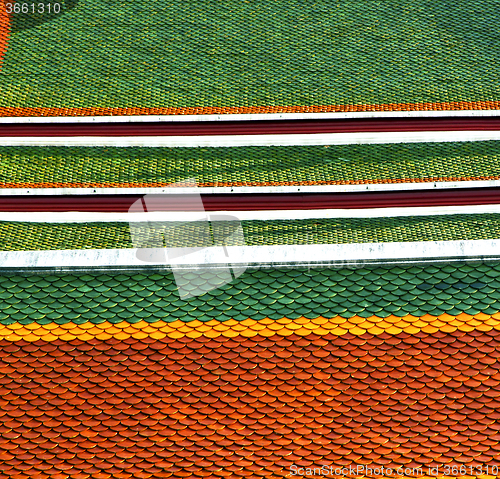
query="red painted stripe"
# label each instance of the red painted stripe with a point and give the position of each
(252, 202)
(251, 127)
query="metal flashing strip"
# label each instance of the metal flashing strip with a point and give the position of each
(316, 139)
(254, 116)
(267, 127)
(255, 215)
(263, 256)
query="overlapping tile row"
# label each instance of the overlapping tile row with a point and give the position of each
(248, 407)
(155, 57)
(250, 327)
(462, 291)
(31, 236)
(96, 167)
(249, 110)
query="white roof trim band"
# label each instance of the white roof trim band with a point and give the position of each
(243, 255)
(304, 139)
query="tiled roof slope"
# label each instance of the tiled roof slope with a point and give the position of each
(396, 293)
(113, 376)
(28, 236)
(177, 57)
(80, 167)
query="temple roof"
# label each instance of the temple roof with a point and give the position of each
(189, 291)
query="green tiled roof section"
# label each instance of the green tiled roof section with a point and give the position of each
(277, 293)
(19, 236)
(178, 53)
(249, 165)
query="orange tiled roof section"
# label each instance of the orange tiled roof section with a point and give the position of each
(248, 407)
(4, 32)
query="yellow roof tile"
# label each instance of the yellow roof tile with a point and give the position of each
(394, 330)
(230, 333)
(84, 336)
(266, 332)
(67, 337)
(175, 335)
(320, 320)
(193, 334)
(411, 329)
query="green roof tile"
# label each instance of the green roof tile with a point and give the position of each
(310, 301)
(19, 236)
(177, 54)
(42, 167)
